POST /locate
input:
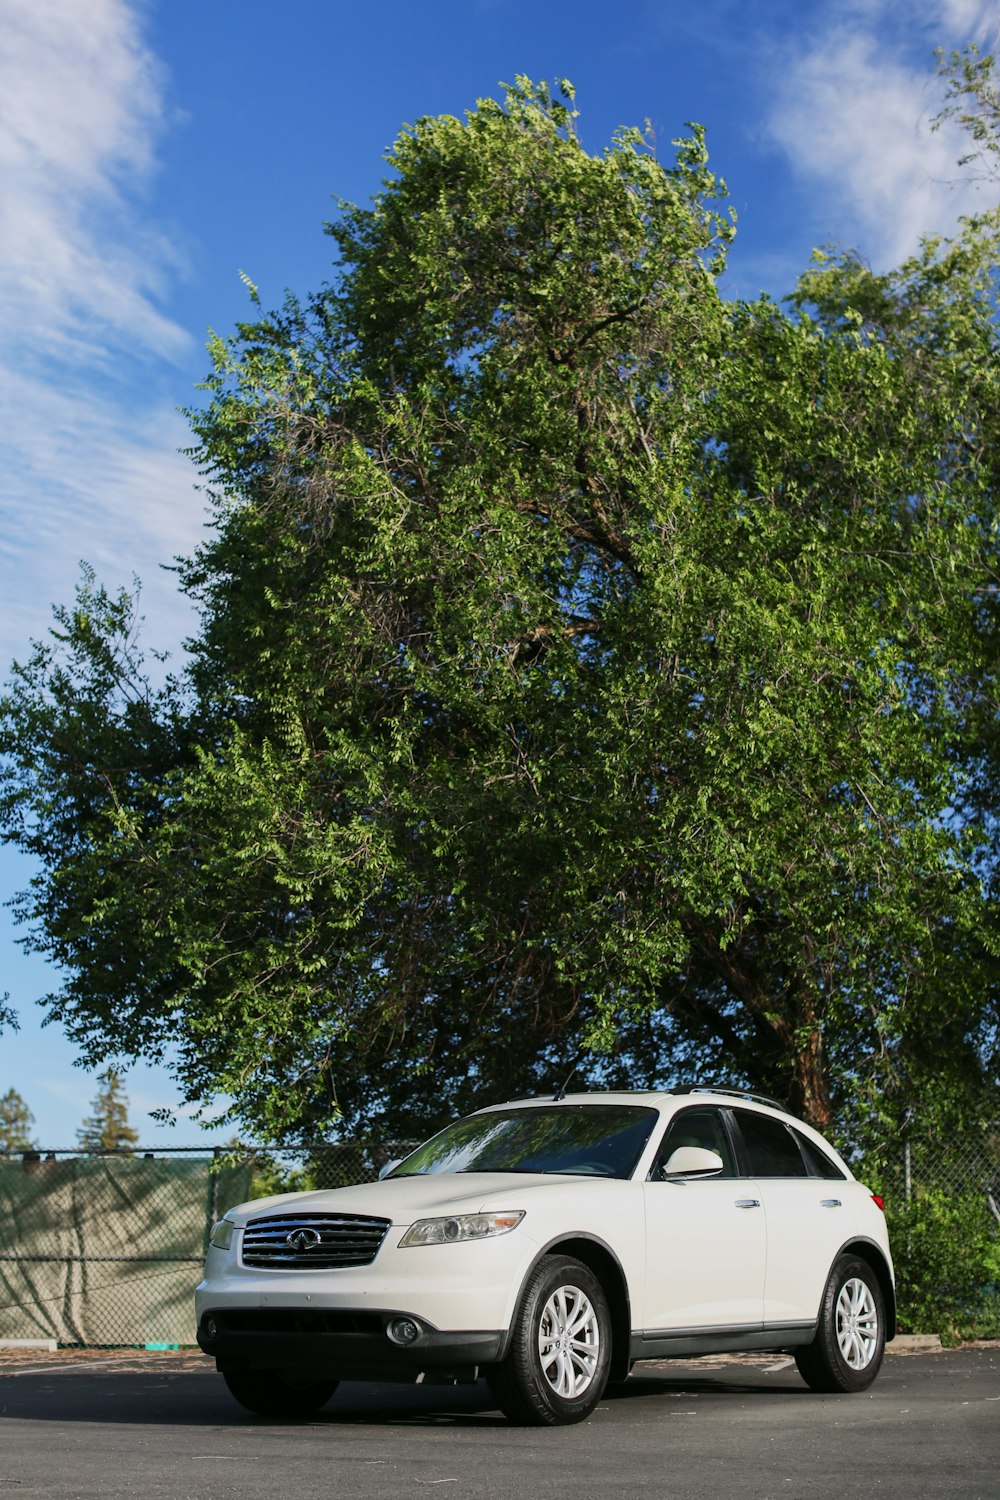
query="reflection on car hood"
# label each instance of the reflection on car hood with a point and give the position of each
(403, 1199)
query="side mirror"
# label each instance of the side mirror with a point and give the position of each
(692, 1161)
(391, 1166)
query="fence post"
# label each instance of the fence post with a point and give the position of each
(213, 1195)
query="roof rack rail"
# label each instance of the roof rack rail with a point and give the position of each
(715, 1088)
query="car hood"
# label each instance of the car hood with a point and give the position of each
(403, 1199)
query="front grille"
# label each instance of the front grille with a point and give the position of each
(312, 1242)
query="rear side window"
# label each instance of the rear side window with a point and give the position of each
(820, 1165)
(772, 1149)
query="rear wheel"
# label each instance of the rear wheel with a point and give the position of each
(556, 1367)
(269, 1393)
(846, 1353)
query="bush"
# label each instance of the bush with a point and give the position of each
(946, 1249)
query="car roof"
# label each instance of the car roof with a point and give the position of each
(667, 1103)
(652, 1098)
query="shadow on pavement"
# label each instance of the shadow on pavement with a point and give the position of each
(190, 1395)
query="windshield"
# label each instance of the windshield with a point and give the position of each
(601, 1140)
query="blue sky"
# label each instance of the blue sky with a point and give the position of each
(152, 149)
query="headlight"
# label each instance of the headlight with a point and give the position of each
(222, 1234)
(461, 1227)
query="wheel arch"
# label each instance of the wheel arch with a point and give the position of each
(874, 1256)
(601, 1259)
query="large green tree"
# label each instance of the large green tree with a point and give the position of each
(587, 665)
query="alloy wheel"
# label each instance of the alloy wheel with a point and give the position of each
(569, 1341)
(857, 1323)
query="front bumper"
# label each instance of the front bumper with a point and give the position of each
(341, 1343)
(470, 1285)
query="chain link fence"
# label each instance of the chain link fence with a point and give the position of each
(943, 1206)
(105, 1250)
(915, 1166)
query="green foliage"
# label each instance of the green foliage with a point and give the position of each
(16, 1121)
(321, 1165)
(107, 1128)
(972, 98)
(946, 1249)
(941, 1184)
(270, 1176)
(588, 668)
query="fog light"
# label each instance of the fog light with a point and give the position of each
(210, 1329)
(403, 1330)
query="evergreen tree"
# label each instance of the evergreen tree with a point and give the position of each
(107, 1129)
(16, 1121)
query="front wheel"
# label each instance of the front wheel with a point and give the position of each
(557, 1365)
(846, 1353)
(269, 1393)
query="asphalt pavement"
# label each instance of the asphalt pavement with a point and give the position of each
(85, 1423)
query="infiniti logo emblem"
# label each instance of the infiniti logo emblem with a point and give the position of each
(304, 1239)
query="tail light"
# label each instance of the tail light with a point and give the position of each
(878, 1201)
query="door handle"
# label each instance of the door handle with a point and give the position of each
(748, 1203)
(830, 1203)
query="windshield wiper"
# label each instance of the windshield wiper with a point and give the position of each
(510, 1171)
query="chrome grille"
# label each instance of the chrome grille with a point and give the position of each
(312, 1242)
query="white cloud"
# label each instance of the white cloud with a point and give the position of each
(80, 108)
(89, 466)
(852, 109)
(970, 19)
(83, 482)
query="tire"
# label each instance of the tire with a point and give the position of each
(846, 1353)
(268, 1393)
(556, 1367)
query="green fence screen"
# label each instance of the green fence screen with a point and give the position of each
(107, 1250)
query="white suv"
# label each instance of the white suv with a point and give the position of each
(549, 1244)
